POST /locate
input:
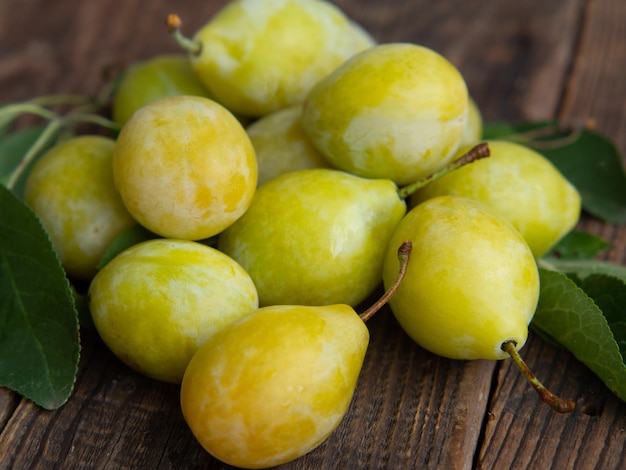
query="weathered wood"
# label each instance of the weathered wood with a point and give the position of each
(412, 409)
(514, 55)
(594, 436)
(520, 434)
(8, 403)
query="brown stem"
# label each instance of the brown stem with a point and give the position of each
(475, 153)
(529, 137)
(173, 23)
(404, 253)
(556, 403)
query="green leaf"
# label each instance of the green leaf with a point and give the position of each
(129, 237)
(590, 161)
(39, 343)
(609, 293)
(569, 316)
(594, 166)
(579, 245)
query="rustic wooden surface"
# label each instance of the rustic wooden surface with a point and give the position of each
(534, 59)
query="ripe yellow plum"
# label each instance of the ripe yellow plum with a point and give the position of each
(473, 132)
(185, 167)
(519, 184)
(257, 56)
(275, 384)
(395, 111)
(281, 145)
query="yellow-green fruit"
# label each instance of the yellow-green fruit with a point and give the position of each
(147, 81)
(315, 237)
(258, 56)
(274, 385)
(473, 131)
(157, 302)
(185, 167)
(72, 192)
(281, 145)
(472, 282)
(395, 111)
(519, 184)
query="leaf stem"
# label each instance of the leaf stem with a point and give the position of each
(475, 153)
(44, 138)
(10, 112)
(404, 253)
(529, 137)
(93, 119)
(557, 403)
(53, 100)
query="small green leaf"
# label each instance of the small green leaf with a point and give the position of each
(569, 316)
(39, 343)
(129, 237)
(590, 161)
(579, 245)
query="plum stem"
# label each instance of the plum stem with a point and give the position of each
(557, 403)
(475, 153)
(404, 253)
(173, 23)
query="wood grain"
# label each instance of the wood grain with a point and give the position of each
(412, 409)
(594, 436)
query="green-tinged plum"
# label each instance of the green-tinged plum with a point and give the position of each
(281, 145)
(519, 184)
(72, 192)
(257, 56)
(315, 237)
(473, 286)
(157, 302)
(395, 111)
(146, 81)
(185, 167)
(474, 282)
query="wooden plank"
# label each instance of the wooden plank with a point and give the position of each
(519, 434)
(8, 403)
(595, 94)
(411, 408)
(514, 55)
(593, 437)
(597, 87)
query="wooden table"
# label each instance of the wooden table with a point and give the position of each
(522, 60)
